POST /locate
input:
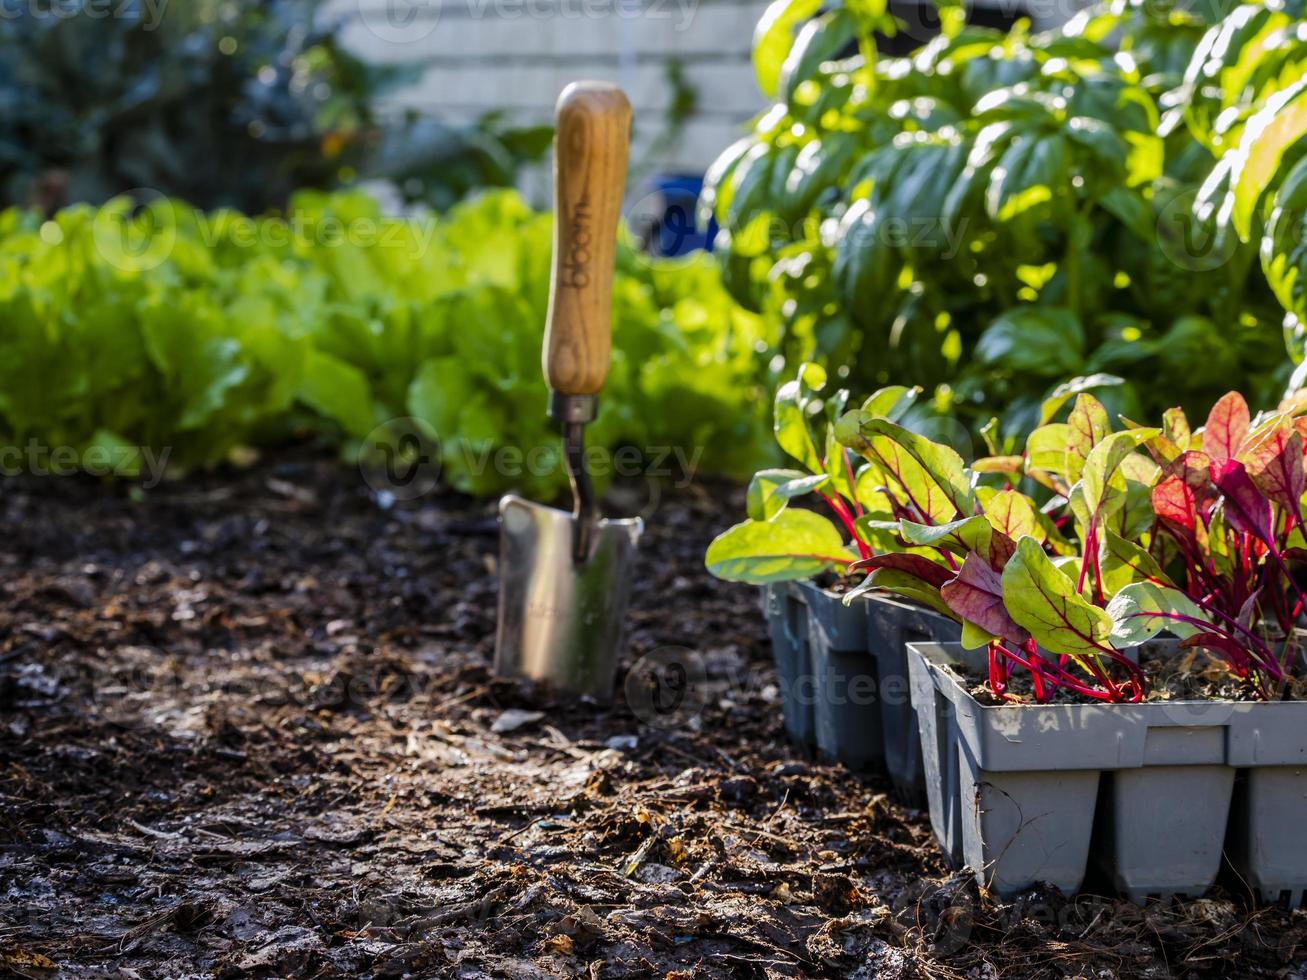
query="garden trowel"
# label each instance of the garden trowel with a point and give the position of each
(565, 578)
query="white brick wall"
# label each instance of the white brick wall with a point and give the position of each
(481, 55)
(476, 56)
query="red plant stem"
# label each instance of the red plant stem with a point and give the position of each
(1136, 678)
(1098, 575)
(853, 481)
(850, 525)
(996, 681)
(1036, 673)
(1106, 681)
(1064, 679)
(1257, 649)
(1091, 542)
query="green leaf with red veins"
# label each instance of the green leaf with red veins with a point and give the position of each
(1175, 426)
(969, 534)
(871, 489)
(1273, 457)
(1123, 563)
(1176, 506)
(959, 537)
(1042, 599)
(1013, 513)
(892, 402)
(1046, 448)
(977, 596)
(1138, 468)
(1104, 481)
(793, 545)
(1142, 610)
(1089, 426)
(771, 490)
(927, 476)
(1226, 428)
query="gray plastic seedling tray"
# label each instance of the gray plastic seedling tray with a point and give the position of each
(1019, 793)
(843, 676)
(785, 606)
(846, 710)
(893, 624)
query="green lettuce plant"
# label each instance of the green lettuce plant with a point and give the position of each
(201, 333)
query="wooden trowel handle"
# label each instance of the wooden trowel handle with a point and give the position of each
(591, 147)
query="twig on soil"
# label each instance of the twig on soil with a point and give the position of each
(150, 831)
(471, 695)
(639, 857)
(478, 908)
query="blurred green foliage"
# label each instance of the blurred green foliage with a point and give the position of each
(1000, 212)
(222, 103)
(168, 327)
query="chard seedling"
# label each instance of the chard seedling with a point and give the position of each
(985, 557)
(1228, 513)
(781, 543)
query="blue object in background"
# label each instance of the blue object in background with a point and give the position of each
(673, 231)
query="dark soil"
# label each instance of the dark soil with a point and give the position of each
(248, 727)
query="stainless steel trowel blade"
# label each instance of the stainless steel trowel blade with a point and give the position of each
(560, 620)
